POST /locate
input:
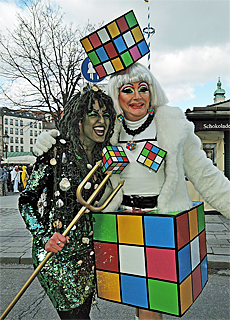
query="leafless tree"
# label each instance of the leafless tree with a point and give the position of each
(44, 54)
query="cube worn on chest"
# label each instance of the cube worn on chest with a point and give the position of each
(151, 260)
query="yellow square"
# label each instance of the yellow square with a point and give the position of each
(112, 154)
(86, 44)
(186, 294)
(113, 29)
(148, 162)
(117, 64)
(130, 229)
(108, 285)
(137, 34)
(193, 223)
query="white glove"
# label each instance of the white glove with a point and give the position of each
(45, 141)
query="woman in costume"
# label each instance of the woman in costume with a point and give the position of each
(144, 116)
(24, 176)
(49, 204)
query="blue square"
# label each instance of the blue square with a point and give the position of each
(159, 231)
(184, 259)
(143, 47)
(155, 149)
(120, 159)
(134, 291)
(106, 165)
(204, 272)
(120, 44)
(154, 166)
(102, 54)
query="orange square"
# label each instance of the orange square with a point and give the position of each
(113, 29)
(108, 285)
(86, 44)
(130, 229)
(117, 64)
(137, 34)
(193, 223)
(186, 294)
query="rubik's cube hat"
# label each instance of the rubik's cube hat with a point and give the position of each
(116, 46)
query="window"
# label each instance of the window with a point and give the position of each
(40, 132)
(31, 124)
(21, 123)
(22, 149)
(6, 130)
(211, 152)
(16, 122)
(11, 149)
(16, 149)
(40, 125)
(11, 122)
(16, 130)
(11, 140)
(11, 130)
(31, 132)
(21, 140)
(35, 124)
(6, 121)
(21, 131)
(31, 141)
(16, 139)
(35, 133)
(31, 149)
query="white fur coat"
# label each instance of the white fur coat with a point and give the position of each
(175, 134)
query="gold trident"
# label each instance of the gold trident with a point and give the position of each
(86, 205)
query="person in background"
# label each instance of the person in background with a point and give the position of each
(24, 176)
(15, 178)
(49, 204)
(3, 181)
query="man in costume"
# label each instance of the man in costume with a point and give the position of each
(146, 117)
(49, 204)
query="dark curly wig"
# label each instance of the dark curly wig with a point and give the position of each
(76, 110)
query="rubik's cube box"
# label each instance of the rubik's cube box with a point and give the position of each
(151, 260)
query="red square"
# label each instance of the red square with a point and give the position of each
(125, 159)
(100, 71)
(122, 24)
(117, 153)
(196, 283)
(203, 247)
(182, 230)
(151, 155)
(161, 264)
(104, 160)
(109, 161)
(111, 51)
(95, 40)
(148, 146)
(106, 257)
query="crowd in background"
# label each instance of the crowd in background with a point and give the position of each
(14, 178)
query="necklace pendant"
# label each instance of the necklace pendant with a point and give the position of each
(131, 145)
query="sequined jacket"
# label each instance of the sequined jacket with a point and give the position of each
(48, 205)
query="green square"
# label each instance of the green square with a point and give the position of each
(103, 169)
(94, 58)
(131, 19)
(201, 218)
(126, 57)
(145, 152)
(161, 153)
(163, 296)
(107, 156)
(104, 227)
(109, 148)
(113, 164)
(123, 154)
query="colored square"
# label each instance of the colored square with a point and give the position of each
(204, 272)
(100, 71)
(193, 223)
(122, 24)
(148, 146)
(110, 49)
(201, 218)
(158, 159)
(196, 283)
(203, 246)
(161, 264)
(130, 229)
(134, 291)
(103, 35)
(148, 163)
(137, 34)
(155, 166)
(195, 252)
(159, 231)
(129, 256)
(184, 262)
(135, 53)
(86, 44)
(182, 230)
(161, 153)
(108, 67)
(102, 54)
(131, 19)
(120, 44)
(113, 29)
(94, 39)
(186, 294)
(128, 39)
(163, 296)
(106, 256)
(94, 58)
(155, 149)
(108, 285)
(144, 49)
(127, 59)
(106, 229)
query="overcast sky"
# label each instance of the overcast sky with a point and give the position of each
(189, 50)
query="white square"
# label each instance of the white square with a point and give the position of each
(132, 260)
(195, 253)
(128, 39)
(141, 159)
(103, 35)
(158, 159)
(108, 67)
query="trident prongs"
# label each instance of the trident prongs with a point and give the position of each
(86, 205)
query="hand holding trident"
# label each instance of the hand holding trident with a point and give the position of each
(86, 205)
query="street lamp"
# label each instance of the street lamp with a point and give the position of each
(5, 139)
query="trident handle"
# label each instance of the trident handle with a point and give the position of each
(70, 226)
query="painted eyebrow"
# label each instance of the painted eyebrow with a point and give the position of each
(127, 85)
(143, 83)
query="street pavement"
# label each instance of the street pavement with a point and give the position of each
(15, 269)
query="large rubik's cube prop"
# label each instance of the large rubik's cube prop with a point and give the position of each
(151, 156)
(151, 260)
(116, 46)
(114, 159)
